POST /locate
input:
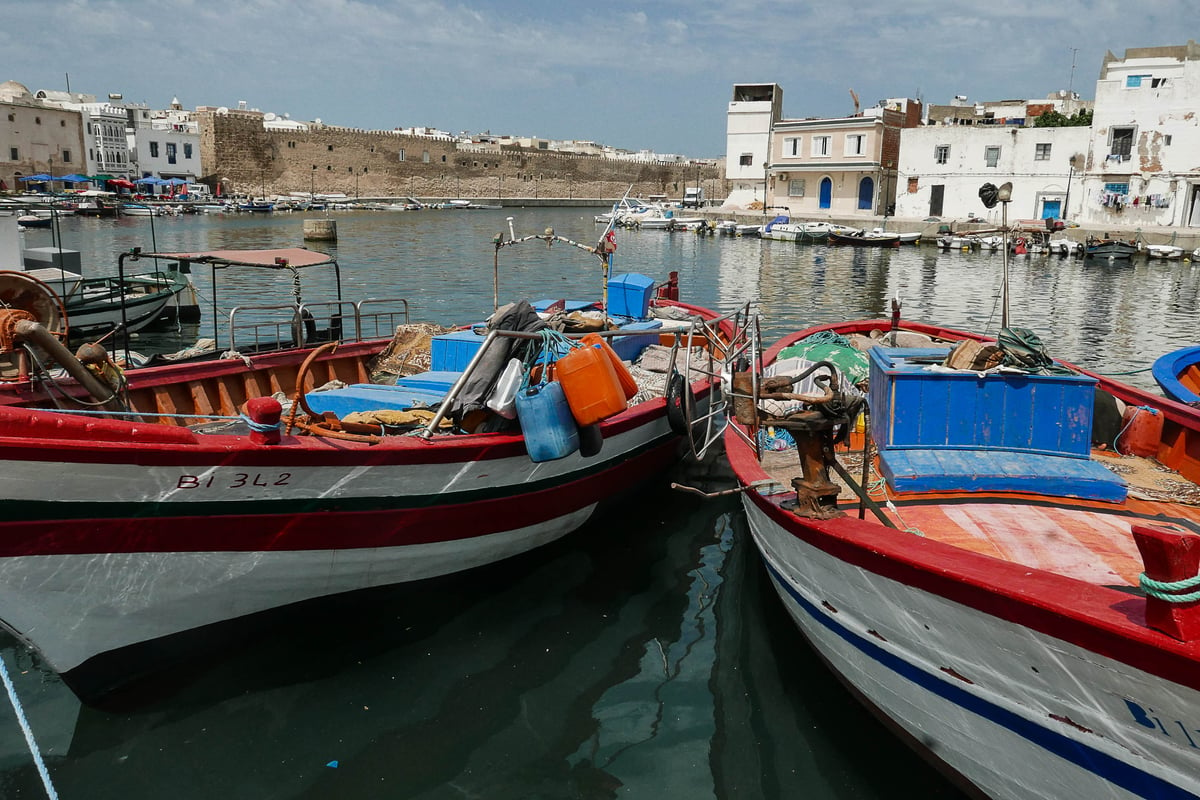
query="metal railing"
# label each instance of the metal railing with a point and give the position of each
(307, 323)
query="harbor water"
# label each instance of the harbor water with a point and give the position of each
(644, 655)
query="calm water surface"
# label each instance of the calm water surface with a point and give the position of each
(643, 656)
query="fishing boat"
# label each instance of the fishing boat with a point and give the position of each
(866, 239)
(998, 563)
(1165, 252)
(783, 229)
(1177, 373)
(362, 450)
(1110, 249)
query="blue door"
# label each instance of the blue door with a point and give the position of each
(826, 193)
(1051, 209)
(866, 194)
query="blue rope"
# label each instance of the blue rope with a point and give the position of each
(254, 426)
(28, 731)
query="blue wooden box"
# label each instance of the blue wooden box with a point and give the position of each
(451, 352)
(629, 295)
(371, 397)
(912, 407)
(630, 347)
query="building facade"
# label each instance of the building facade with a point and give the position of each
(942, 168)
(36, 138)
(166, 144)
(750, 118)
(840, 166)
(1143, 166)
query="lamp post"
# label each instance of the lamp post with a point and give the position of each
(1067, 199)
(766, 170)
(355, 184)
(312, 184)
(500, 189)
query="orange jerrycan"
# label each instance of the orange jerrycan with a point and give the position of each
(628, 384)
(590, 384)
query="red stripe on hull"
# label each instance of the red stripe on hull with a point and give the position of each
(328, 530)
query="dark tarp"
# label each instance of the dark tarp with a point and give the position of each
(518, 316)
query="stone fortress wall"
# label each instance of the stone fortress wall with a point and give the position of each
(249, 160)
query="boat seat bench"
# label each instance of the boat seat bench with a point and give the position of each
(964, 470)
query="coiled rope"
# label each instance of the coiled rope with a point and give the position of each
(1167, 590)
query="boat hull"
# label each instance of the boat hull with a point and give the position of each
(1178, 374)
(1015, 710)
(169, 540)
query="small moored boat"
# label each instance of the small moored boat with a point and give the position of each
(1177, 373)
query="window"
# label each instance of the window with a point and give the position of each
(1041, 152)
(66, 156)
(12, 117)
(37, 120)
(1166, 139)
(795, 188)
(941, 154)
(1135, 81)
(329, 147)
(170, 152)
(856, 144)
(820, 145)
(401, 153)
(1157, 82)
(791, 146)
(746, 160)
(425, 156)
(154, 149)
(1121, 142)
(913, 185)
(62, 123)
(991, 156)
(1117, 188)
(187, 149)
(14, 154)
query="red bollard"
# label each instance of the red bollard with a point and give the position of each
(1170, 556)
(264, 411)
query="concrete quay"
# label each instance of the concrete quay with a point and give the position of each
(1186, 237)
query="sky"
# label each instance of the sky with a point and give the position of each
(639, 76)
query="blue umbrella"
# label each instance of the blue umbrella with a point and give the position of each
(74, 177)
(150, 180)
(41, 177)
(175, 181)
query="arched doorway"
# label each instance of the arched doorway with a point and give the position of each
(866, 194)
(826, 193)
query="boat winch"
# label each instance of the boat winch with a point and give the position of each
(816, 422)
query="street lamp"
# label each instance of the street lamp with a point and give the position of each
(312, 184)
(500, 189)
(356, 184)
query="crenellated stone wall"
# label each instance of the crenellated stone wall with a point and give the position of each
(247, 159)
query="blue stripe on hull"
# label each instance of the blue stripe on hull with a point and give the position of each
(1102, 765)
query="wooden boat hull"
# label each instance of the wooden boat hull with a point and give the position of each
(1112, 251)
(866, 240)
(1017, 681)
(1178, 374)
(163, 531)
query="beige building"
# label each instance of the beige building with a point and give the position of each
(36, 138)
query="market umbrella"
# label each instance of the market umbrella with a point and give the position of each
(103, 177)
(74, 178)
(150, 180)
(175, 181)
(124, 184)
(41, 177)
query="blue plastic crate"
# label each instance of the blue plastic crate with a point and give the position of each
(452, 352)
(629, 295)
(371, 397)
(630, 347)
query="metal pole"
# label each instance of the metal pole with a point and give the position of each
(1004, 290)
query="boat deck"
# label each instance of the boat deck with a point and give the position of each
(1087, 540)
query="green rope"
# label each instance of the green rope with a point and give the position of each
(1165, 590)
(1131, 372)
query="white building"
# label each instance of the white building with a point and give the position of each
(942, 167)
(166, 143)
(750, 118)
(1144, 161)
(106, 144)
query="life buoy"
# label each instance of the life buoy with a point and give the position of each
(676, 415)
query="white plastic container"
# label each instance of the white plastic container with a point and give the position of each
(503, 399)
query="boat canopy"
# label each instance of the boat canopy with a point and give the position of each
(291, 257)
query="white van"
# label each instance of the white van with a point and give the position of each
(693, 197)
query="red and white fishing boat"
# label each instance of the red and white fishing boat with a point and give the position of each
(184, 500)
(1013, 593)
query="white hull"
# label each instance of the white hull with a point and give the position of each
(1017, 712)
